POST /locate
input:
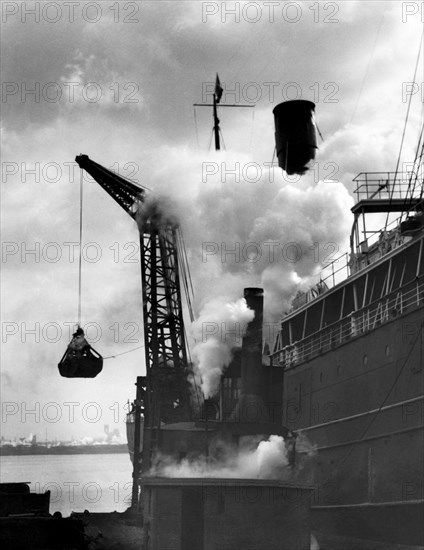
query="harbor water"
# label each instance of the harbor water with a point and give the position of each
(94, 482)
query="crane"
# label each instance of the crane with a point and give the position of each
(163, 395)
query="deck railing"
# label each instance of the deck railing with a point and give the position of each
(353, 325)
(382, 185)
(342, 267)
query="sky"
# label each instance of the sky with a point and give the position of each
(117, 81)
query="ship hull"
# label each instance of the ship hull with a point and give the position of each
(361, 404)
(389, 525)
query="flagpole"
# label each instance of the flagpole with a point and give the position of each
(216, 99)
(216, 125)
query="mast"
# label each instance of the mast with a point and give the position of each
(216, 129)
(216, 100)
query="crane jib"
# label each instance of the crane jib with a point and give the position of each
(168, 391)
(126, 193)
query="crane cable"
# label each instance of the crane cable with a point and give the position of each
(80, 249)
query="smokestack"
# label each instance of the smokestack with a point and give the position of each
(250, 407)
(251, 349)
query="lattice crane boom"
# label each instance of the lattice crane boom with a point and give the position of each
(165, 390)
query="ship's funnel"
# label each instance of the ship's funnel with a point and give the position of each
(251, 407)
(251, 350)
(295, 136)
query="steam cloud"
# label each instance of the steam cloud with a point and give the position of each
(157, 210)
(253, 459)
(217, 330)
(293, 229)
(266, 460)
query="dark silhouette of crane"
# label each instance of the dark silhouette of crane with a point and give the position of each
(163, 395)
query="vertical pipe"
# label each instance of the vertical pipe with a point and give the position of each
(216, 125)
(251, 351)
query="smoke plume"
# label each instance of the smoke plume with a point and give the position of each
(218, 329)
(268, 232)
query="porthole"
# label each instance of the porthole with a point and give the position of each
(365, 360)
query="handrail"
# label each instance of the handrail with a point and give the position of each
(355, 324)
(371, 185)
(331, 275)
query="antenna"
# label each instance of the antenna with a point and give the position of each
(216, 100)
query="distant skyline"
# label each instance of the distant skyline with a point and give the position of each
(117, 81)
(39, 438)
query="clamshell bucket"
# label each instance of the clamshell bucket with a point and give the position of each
(80, 359)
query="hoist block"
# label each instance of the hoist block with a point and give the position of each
(80, 359)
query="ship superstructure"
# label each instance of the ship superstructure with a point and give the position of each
(352, 351)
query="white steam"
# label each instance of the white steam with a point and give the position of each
(218, 329)
(155, 210)
(266, 460)
(267, 232)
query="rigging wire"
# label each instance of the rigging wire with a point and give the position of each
(251, 131)
(258, 37)
(195, 384)
(273, 156)
(222, 139)
(188, 284)
(319, 131)
(422, 183)
(210, 142)
(368, 67)
(123, 352)
(185, 273)
(414, 172)
(422, 123)
(187, 264)
(417, 166)
(80, 248)
(404, 130)
(195, 127)
(189, 294)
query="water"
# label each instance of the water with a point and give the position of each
(98, 483)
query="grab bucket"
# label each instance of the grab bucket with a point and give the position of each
(80, 359)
